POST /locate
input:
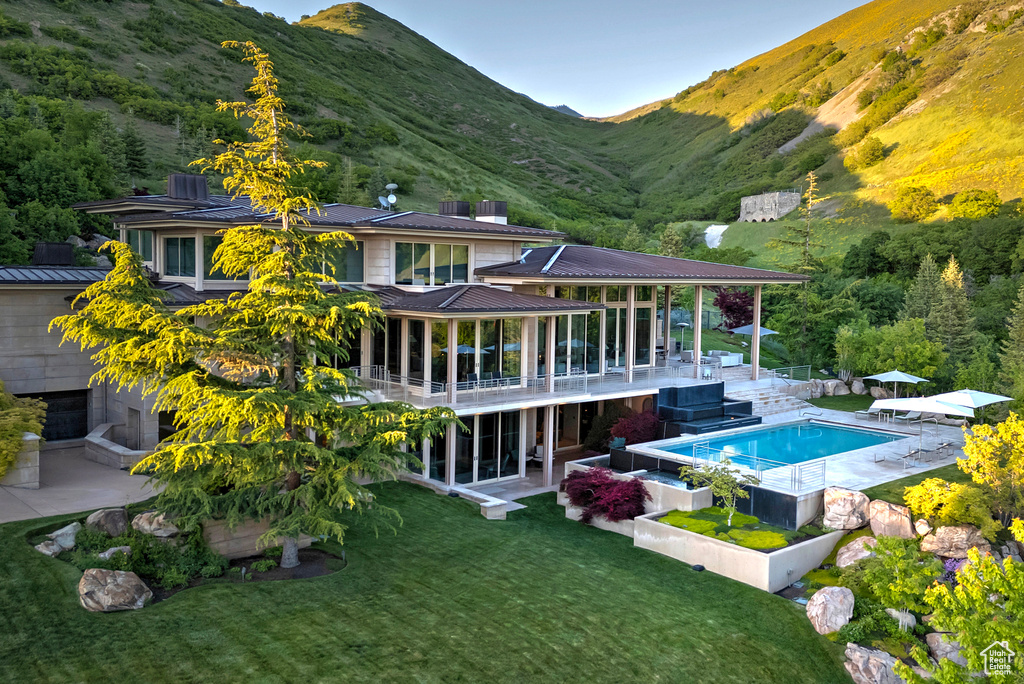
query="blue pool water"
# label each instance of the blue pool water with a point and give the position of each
(792, 443)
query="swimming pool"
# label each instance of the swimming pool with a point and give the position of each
(783, 444)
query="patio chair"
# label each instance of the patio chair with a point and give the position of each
(909, 417)
(866, 414)
(617, 443)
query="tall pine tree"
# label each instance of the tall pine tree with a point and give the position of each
(924, 293)
(950, 321)
(134, 149)
(1011, 359)
(260, 431)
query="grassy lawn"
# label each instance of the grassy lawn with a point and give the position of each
(847, 402)
(893, 491)
(451, 598)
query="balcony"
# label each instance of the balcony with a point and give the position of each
(539, 389)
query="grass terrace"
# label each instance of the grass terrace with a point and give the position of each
(746, 530)
(450, 597)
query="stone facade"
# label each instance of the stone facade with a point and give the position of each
(25, 471)
(770, 206)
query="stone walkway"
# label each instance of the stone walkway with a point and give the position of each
(68, 483)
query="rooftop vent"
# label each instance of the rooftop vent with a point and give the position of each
(53, 254)
(492, 212)
(187, 186)
(455, 209)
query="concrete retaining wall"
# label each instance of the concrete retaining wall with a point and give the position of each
(25, 471)
(664, 497)
(99, 447)
(623, 527)
(770, 206)
(242, 541)
(768, 571)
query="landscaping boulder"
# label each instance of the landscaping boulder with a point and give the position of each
(880, 393)
(112, 521)
(923, 527)
(816, 388)
(830, 608)
(856, 550)
(845, 509)
(155, 524)
(49, 548)
(907, 621)
(835, 388)
(890, 520)
(65, 536)
(870, 666)
(109, 553)
(953, 542)
(942, 646)
(857, 386)
(106, 591)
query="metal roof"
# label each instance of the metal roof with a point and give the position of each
(581, 261)
(466, 299)
(51, 275)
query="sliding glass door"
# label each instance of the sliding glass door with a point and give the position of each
(490, 451)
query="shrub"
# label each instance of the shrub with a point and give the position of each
(173, 577)
(686, 522)
(601, 426)
(758, 539)
(952, 503)
(975, 204)
(870, 152)
(637, 428)
(212, 571)
(600, 494)
(264, 565)
(782, 100)
(274, 552)
(17, 416)
(913, 204)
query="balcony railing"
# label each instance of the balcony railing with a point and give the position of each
(790, 375)
(791, 477)
(424, 394)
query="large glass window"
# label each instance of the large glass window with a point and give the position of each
(561, 363)
(643, 337)
(438, 353)
(438, 457)
(542, 345)
(466, 350)
(394, 328)
(142, 242)
(421, 264)
(460, 263)
(180, 256)
(464, 453)
(210, 245)
(413, 263)
(512, 343)
(593, 355)
(442, 265)
(347, 263)
(403, 263)
(509, 445)
(488, 350)
(416, 332)
(578, 343)
(644, 293)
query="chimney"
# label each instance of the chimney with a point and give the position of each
(187, 186)
(453, 209)
(492, 212)
(53, 254)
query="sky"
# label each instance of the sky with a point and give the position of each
(597, 56)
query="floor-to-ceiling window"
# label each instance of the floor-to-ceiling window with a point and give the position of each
(394, 346)
(438, 457)
(466, 352)
(497, 448)
(644, 317)
(415, 349)
(489, 349)
(431, 264)
(542, 346)
(438, 354)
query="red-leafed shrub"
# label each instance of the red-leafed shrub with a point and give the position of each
(637, 428)
(600, 494)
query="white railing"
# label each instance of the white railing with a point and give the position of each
(791, 374)
(793, 477)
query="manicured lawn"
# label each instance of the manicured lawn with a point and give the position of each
(847, 402)
(451, 597)
(893, 491)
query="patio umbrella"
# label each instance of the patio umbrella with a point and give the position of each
(749, 330)
(970, 398)
(923, 405)
(895, 376)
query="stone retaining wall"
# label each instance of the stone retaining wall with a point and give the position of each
(99, 447)
(242, 541)
(25, 471)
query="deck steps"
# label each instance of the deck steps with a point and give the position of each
(766, 401)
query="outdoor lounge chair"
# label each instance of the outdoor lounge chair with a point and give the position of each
(910, 417)
(866, 414)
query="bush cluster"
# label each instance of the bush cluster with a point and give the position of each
(601, 495)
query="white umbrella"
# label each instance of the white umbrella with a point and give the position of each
(970, 398)
(895, 376)
(749, 330)
(923, 405)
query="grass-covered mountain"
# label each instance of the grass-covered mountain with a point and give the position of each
(942, 82)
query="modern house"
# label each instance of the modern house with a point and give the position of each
(526, 340)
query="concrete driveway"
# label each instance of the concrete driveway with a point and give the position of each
(68, 483)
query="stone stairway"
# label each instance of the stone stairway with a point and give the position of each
(766, 401)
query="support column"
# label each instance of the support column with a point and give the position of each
(755, 340)
(549, 353)
(630, 331)
(449, 476)
(453, 360)
(523, 431)
(698, 313)
(549, 444)
(667, 322)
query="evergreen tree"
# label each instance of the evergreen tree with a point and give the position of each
(260, 432)
(375, 186)
(802, 236)
(671, 243)
(1011, 359)
(13, 249)
(348, 190)
(950, 321)
(134, 148)
(924, 293)
(112, 146)
(634, 239)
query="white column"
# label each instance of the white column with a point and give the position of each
(549, 353)
(698, 301)
(755, 340)
(549, 444)
(523, 431)
(630, 331)
(449, 476)
(453, 347)
(667, 323)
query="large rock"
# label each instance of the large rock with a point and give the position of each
(953, 542)
(109, 553)
(112, 521)
(49, 548)
(856, 550)
(857, 386)
(870, 666)
(845, 509)
(65, 536)
(830, 608)
(835, 388)
(890, 520)
(106, 591)
(155, 524)
(922, 527)
(817, 388)
(880, 393)
(942, 646)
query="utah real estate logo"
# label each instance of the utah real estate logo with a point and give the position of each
(998, 658)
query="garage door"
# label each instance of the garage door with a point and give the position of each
(67, 414)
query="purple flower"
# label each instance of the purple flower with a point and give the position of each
(951, 567)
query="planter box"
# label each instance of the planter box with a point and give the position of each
(664, 496)
(242, 541)
(25, 471)
(768, 571)
(623, 527)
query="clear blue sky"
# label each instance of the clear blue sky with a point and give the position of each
(598, 56)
